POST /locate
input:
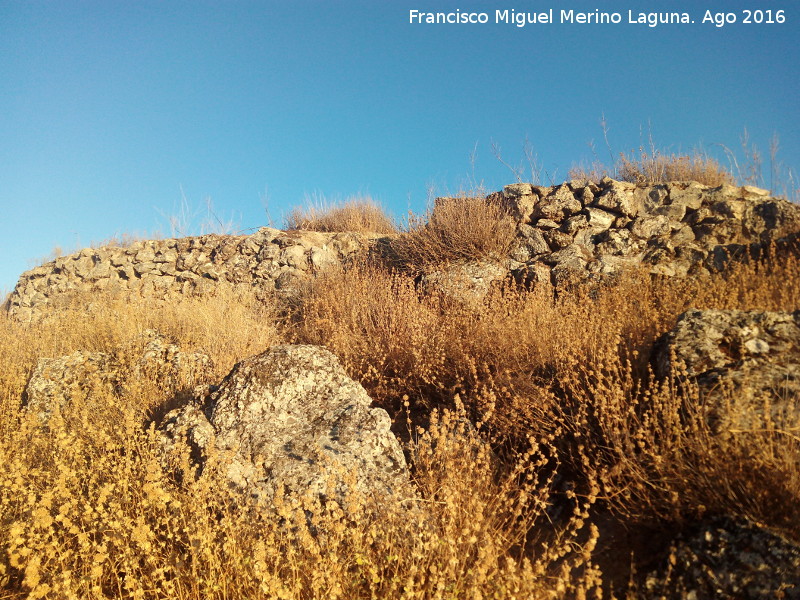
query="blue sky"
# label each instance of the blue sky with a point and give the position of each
(111, 113)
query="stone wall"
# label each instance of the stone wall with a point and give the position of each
(265, 261)
(569, 232)
(585, 230)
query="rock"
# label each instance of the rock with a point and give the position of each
(520, 207)
(600, 219)
(689, 195)
(673, 212)
(81, 379)
(68, 381)
(467, 282)
(574, 224)
(534, 276)
(557, 240)
(619, 197)
(727, 558)
(651, 198)
(534, 240)
(742, 361)
(290, 418)
(515, 190)
(754, 191)
(648, 227)
(558, 205)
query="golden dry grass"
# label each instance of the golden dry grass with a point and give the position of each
(497, 401)
(657, 167)
(526, 365)
(89, 510)
(457, 229)
(361, 215)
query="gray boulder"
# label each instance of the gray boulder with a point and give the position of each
(292, 419)
(728, 559)
(68, 381)
(83, 380)
(741, 360)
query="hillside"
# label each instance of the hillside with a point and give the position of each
(564, 391)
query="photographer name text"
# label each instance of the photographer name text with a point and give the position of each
(597, 17)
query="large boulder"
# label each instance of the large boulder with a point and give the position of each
(58, 384)
(83, 379)
(292, 419)
(743, 361)
(728, 559)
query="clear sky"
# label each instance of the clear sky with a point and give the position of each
(112, 113)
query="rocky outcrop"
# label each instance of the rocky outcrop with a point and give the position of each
(743, 361)
(266, 261)
(291, 419)
(728, 558)
(581, 230)
(80, 379)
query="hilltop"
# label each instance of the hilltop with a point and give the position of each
(546, 391)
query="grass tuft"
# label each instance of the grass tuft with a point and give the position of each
(456, 230)
(361, 215)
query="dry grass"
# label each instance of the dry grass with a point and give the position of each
(656, 167)
(362, 215)
(661, 168)
(510, 409)
(526, 365)
(512, 347)
(458, 229)
(658, 457)
(88, 510)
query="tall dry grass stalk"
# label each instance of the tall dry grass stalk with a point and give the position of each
(656, 167)
(659, 168)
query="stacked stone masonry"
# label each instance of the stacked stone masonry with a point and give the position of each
(574, 231)
(265, 261)
(585, 230)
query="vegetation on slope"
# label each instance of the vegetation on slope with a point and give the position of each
(528, 422)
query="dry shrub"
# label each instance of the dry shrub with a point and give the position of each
(88, 508)
(659, 457)
(457, 230)
(397, 341)
(94, 514)
(360, 215)
(510, 351)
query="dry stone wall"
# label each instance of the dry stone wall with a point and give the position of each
(265, 261)
(581, 230)
(565, 233)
